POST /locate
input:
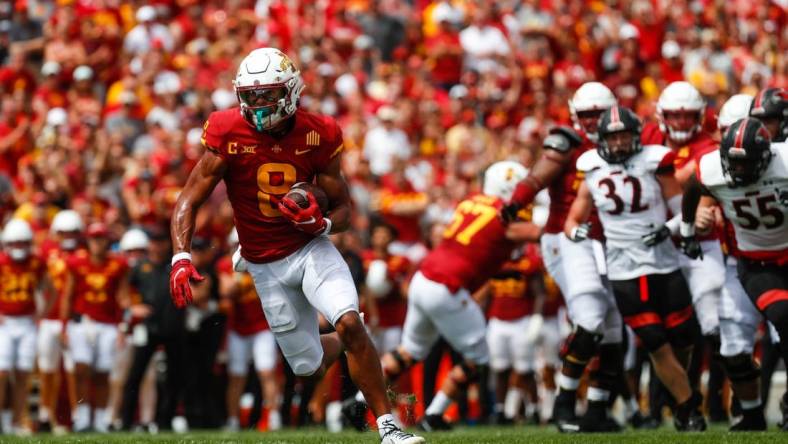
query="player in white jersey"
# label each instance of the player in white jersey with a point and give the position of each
(632, 187)
(748, 178)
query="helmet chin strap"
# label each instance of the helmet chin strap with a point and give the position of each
(18, 254)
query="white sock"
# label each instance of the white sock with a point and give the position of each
(232, 421)
(439, 404)
(43, 414)
(631, 407)
(749, 405)
(274, 419)
(360, 397)
(81, 416)
(101, 420)
(385, 423)
(6, 419)
(512, 403)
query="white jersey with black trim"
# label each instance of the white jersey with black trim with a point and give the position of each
(630, 203)
(759, 211)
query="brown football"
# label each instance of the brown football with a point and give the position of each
(298, 194)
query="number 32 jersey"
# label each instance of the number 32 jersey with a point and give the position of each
(474, 246)
(261, 169)
(630, 204)
(757, 212)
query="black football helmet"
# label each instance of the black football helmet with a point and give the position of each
(618, 119)
(770, 106)
(744, 151)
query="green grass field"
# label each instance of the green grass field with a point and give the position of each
(468, 435)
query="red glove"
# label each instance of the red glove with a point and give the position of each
(309, 220)
(180, 291)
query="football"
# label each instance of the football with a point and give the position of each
(298, 193)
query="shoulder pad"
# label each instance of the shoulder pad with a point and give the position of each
(562, 139)
(653, 155)
(780, 156)
(589, 161)
(710, 170)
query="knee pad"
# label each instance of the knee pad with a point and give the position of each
(581, 346)
(741, 368)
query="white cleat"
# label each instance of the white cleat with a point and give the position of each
(394, 435)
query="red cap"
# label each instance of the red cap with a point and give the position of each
(97, 229)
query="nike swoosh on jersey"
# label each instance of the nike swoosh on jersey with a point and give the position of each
(300, 152)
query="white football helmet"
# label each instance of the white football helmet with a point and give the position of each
(680, 96)
(66, 221)
(134, 239)
(502, 177)
(17, 231)
(591, 96)
(735, 108)
(268, 86)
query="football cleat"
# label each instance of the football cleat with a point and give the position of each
(640, 422)
(752, 420)
(434, 423)
(355, 413)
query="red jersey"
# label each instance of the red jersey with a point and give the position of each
(695, 148)
(474, 246)
(247, 316)
(563, 192)
(18, 284)
(511, 296)
(57, 270)
(393, 192)
(261, 169)
(392, 307)
(96, 286)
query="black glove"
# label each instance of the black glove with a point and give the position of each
(509, 212)
(656, 237)
(691, 247)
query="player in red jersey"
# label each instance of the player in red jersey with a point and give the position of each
(260, 150)
(680, 113)
(248, 339)
(92, 311)
(385, 283)
(67, 230)
(589, 298)
(474, 247)
(516, 296)
(22, 274)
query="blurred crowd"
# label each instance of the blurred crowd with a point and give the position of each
(102, 103)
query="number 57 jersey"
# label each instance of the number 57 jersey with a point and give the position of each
(261, 169)
(758, 212)
(474, 246)
(629, 200)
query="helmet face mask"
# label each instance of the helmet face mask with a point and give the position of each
(19, 250)
(680, 111)
(745, 152)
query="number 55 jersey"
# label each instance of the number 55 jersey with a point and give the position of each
(261, 169)
(630, 204)
(758, 212)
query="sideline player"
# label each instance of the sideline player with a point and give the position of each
(67, 228)
(22, 275)
(748, 178)
(93, 311)
(475, 245)
(589, 299)
(260, 150)
(632, 187)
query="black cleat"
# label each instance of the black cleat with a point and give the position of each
(434, 423)
(752, 420)
(564, 412)
(640, 422)
(501, 420)
(597, 420)
(687, 416)
(355, 413)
